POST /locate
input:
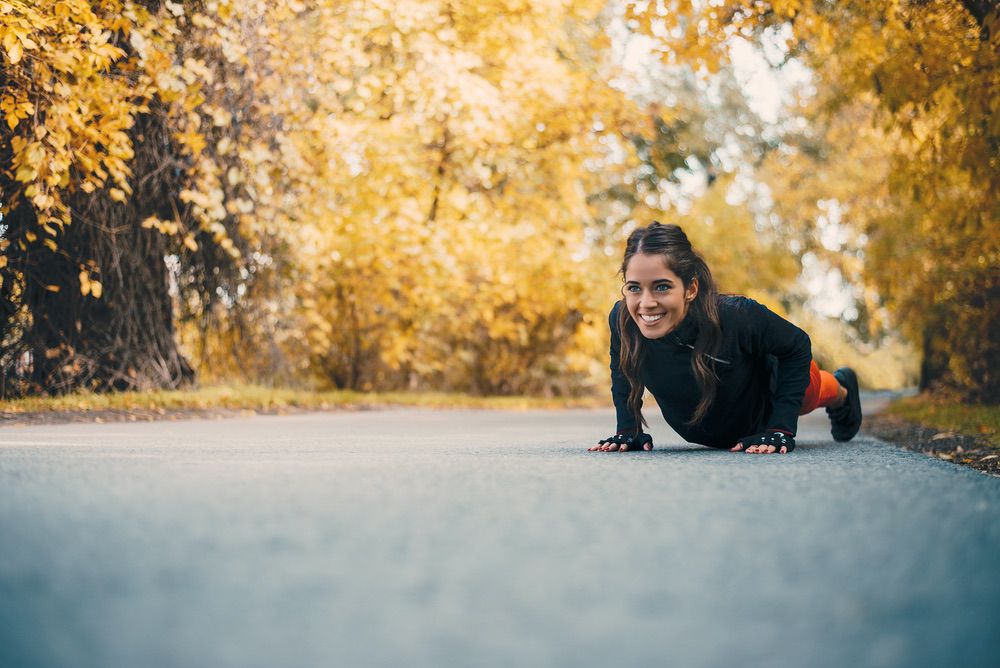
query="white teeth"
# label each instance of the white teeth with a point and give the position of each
(651, 318)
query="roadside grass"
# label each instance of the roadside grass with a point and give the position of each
(979, 420)
(258, 398)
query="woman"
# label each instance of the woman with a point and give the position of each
(726, 371)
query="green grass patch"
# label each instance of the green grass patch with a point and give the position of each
(257, 398)
(979, 420)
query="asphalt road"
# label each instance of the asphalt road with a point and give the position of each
(479, 538)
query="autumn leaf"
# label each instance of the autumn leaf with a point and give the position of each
(14, 52)
(85, 283)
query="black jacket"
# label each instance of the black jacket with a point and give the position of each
(762, 365)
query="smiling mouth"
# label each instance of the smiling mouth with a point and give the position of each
(650, 319)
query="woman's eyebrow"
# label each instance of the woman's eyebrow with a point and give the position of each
(655, 281)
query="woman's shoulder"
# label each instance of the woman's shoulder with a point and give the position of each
(613, 313)
(740, 313)
(735, 304)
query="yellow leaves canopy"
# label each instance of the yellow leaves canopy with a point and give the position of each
(429, 175)
(921, 81)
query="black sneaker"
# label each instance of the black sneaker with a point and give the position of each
(846, 420)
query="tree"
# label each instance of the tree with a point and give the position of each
(447, 248)
(122, 150)
(931, 70)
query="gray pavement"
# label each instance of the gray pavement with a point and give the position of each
(480, 538)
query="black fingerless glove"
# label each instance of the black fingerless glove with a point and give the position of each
(778, 439)
(633, 442)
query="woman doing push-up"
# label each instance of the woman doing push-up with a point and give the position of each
(726, 371)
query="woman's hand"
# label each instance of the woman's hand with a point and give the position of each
(766, 443)
(621, 443)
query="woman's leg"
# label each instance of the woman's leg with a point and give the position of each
(823, 390)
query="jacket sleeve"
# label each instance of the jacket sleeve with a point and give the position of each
(619, 383)
(770, 334)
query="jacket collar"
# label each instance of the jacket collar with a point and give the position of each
(686, 332)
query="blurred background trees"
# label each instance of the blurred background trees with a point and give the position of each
(126, 129)
(898, 147)
(434, 194)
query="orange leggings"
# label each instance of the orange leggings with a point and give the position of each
(822, 390)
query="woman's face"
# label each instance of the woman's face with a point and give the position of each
(655, 296)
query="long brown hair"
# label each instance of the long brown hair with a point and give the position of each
(670, 242)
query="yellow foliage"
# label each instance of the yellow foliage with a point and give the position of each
(446, 245)
(904, 150)
(79, 74)
(421, 171)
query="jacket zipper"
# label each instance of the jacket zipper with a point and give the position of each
(688, 345)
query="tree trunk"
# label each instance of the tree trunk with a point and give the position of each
(123, 339)
(934, 362)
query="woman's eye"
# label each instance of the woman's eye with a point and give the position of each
(662, 288)
(634, 289)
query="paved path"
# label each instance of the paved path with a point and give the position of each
(473, 538)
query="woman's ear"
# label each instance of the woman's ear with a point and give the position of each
(691, 291)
